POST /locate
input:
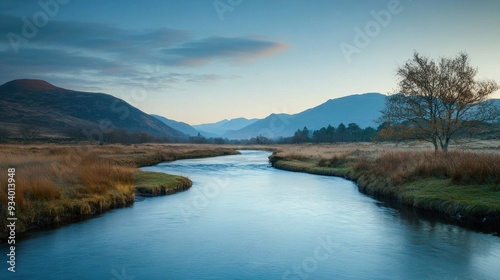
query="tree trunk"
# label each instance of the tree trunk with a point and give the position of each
(444, 145)
(435, 143)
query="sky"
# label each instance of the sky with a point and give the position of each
(202, 61)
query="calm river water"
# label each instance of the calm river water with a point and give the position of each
(243, 219)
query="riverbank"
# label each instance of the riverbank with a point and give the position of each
(57, 184)
(461, 185)
(157, 184)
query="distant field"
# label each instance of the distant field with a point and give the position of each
(324, 150)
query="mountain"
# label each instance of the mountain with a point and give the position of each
(496, 103)
(273, 126)
(362, 109)
(56, 111)
(224, 126)
(180, 126)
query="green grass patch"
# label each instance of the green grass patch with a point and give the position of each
(311, 167)
(156, 183)
(442, 195)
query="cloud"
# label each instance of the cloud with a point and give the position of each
(92, 37)
(169, 46)
(101, 52)
(33, 61)
(234, 49)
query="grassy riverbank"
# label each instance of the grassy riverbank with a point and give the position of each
(464, 185)
(62, 183)
(156, 183)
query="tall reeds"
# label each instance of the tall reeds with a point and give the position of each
(56, 183)
(49, 190)
(461, 167)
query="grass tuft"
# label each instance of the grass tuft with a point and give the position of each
(156, 183)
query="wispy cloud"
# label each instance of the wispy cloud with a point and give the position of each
(94, 38)
(222, 48)
(102, 51)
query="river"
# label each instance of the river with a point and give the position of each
(243, 219)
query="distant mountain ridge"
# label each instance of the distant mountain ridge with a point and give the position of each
(362, 109)
(180, 126)
(57, 112)
(60, 112)
(27, 85)
(222, 127)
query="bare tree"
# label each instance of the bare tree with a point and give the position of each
(438, 99)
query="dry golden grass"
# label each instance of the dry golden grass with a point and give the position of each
(464, 183)
(341, 149)
(48, 189)
(62, 182)
(464, 165)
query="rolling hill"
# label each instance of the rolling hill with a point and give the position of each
(180, 126)
(362, 109)
(58, 112)
(222, 127)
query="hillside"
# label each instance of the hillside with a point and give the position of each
(180, 126)
(58, 112)
(222, 127)
(362, 109)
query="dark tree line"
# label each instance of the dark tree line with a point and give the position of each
(111, 136)
(350, 133)
(329, 134)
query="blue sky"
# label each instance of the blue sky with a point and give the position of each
(202, 60)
